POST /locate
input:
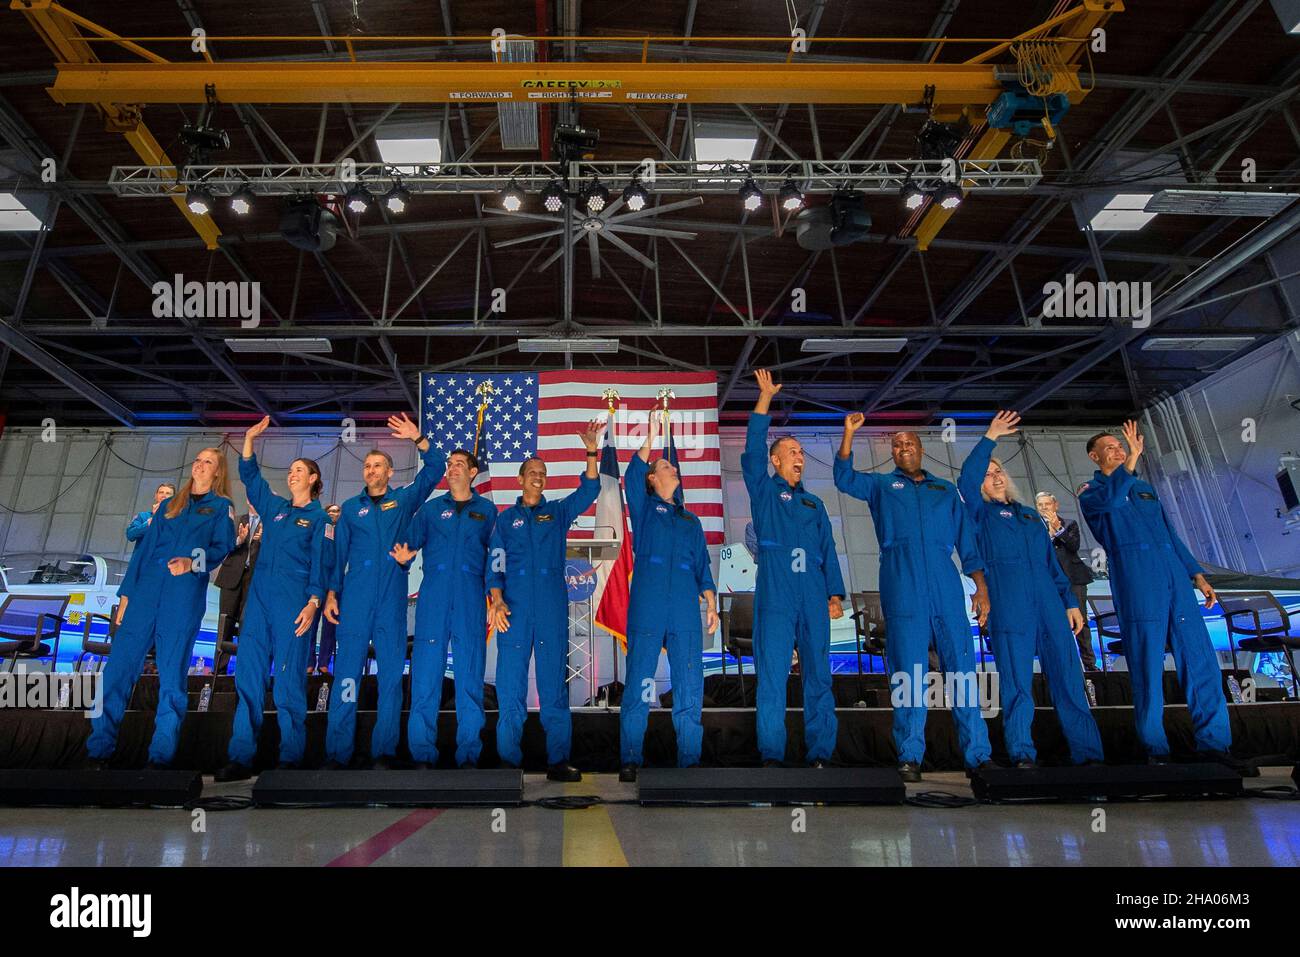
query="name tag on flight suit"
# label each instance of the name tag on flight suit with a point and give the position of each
(545, 518)
(387, 505)
(304, 523)
(478, 516)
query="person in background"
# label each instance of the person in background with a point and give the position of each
(1032, 610)
(282, 608)
(319, 663)
(1065, 540)
(233, 578)
(140, 524)
(162, 599)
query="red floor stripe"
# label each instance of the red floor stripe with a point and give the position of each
(372, 849)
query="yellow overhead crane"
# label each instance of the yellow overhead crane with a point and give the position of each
(119, 90)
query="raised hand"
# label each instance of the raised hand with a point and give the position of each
(242, 534)
(257, 429)
(765, 385)
(403, 428)
(1004, 423)
(401, 554)
(854, 421)
(1136, 443)
(591, 437)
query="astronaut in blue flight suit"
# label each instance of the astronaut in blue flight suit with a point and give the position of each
(672, 575)
(1028, 592)
(161, 602)
(1150, 570)
(530, 608)
(799, 590)
(140, 524)
(367, 597)
(454, 530)
(283, 599)
(919, 521)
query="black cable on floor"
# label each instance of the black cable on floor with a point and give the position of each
(568, 802)
(225, 803)
(1275, 792)
(939, 799)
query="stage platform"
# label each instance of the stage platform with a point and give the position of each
(1268, 731)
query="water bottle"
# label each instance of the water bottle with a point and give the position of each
(323, 697)
(1092, 691)
(1234, 688)
(205, 697)
(65, 693)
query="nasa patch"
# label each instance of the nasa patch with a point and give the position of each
(897, 484)
(517, 523)
(364, 512)
(661, 509)
(447, 513)
(1005, 513)
(280, 516)
(786, 497)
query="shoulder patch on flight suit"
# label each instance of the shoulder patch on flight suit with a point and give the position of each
(303, 523)
(385, 506)
(478, 516)
(809, 504)
(546, 517)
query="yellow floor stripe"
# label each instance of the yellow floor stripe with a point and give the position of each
(589, 836)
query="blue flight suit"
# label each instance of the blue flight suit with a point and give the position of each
(452, 605)
(371, 591)
(1149, 571)
(1028, 593)
(672, 571)
(163, 611)
(918, 525)
(139, 525)
(290, 570)
(798, 572)
(529, 570)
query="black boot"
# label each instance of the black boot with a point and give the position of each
(563, 771)
(234, 771)
(910, 772)
(627, 774)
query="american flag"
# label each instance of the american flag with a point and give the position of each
(539, 414)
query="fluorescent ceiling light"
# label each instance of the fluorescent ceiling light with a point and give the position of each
(1202, 344)
(853, 345)
(15, 216)
(1125, 212)
(1288, 12)
(279, 345)
(720, 142)
(1219, 202)
(568, 345)
(410, 143)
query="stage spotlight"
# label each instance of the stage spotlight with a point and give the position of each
(397, 198)
(553, 197)
(358, 199)
(913, 195)
(596, 196)
(199, 200)
(635, 196)
(750, 195)
(938, 141)
(242, 202)
(949, 197)
(512, 197)
(791, 196)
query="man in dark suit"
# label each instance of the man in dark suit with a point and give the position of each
(233, 577)
(1065, 540)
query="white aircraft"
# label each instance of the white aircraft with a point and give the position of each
(90, 582)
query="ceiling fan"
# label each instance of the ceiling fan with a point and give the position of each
(607, 224)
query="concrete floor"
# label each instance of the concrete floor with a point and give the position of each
(1235, 833)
